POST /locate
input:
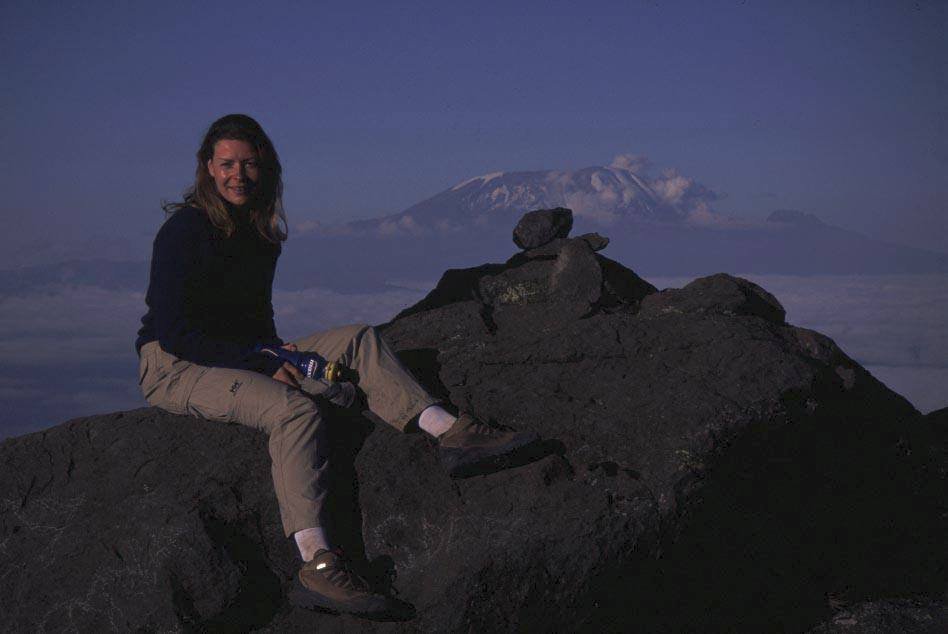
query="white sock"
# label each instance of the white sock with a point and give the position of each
(310, 540)
(436, 420)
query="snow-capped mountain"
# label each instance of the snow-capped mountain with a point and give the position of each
(624, 191)
(658, 224)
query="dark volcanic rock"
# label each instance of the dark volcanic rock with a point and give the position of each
(560, 281)
(719, 293)
(563, 288)
(595, 241)
(894, 616)
(137, 520)
(706, 467)
(536, 228)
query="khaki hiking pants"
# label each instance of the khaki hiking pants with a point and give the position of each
(290, 417)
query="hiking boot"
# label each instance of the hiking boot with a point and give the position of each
(327, 582)
(470, 446)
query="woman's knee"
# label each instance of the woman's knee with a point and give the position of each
(361, 330)
(297, 432)
(367, 332)
(301, 412)
(359, 334)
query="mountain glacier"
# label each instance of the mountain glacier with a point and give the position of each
(625, 191)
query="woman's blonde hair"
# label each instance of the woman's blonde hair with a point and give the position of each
(266, 207)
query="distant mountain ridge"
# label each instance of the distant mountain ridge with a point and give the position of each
(621, 192)
(792, 216)
(664, 223)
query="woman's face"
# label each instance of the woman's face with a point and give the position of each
(235, 171)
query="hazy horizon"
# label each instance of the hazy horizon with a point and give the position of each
(68, 352)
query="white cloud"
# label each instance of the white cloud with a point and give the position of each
(401, 225)
(32, 403)
(69, 352)
(635, 163)
(592, 206)
(924, 387)
(692, 199)
(308, 226)
(446, 226)
(316, 227)
(69, 325)
(702, 215)
(300, 313)
(671, 186)
(682, 195)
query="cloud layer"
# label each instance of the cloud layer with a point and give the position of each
(69, 352)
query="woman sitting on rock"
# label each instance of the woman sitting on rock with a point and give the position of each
(209, 348)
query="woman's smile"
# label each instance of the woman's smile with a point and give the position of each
(235, 171)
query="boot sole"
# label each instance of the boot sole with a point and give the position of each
(303, 597)
(475, 460)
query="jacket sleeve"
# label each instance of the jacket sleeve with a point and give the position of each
(176, 261)
(271, 337)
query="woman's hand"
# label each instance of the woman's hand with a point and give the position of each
(289, 374)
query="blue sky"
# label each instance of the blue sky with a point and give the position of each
(838, 109)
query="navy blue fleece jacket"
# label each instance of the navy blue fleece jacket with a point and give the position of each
(210, 297)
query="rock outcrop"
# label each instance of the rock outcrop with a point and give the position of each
(539, 227)
(887, 617)
(705, 467)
